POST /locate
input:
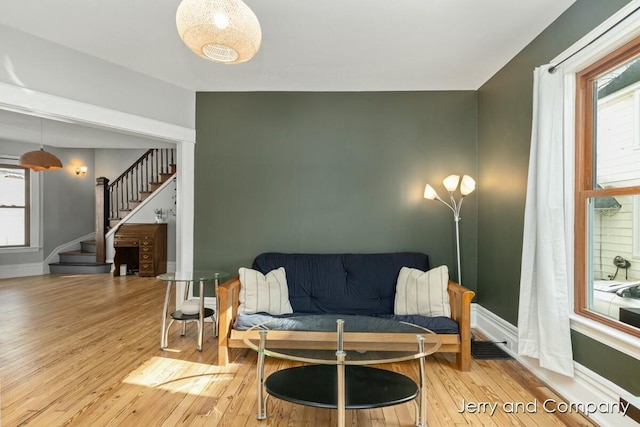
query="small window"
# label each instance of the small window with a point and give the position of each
(14, 206)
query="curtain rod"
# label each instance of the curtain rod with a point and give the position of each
(552, 69)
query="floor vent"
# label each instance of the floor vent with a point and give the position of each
(488, 350)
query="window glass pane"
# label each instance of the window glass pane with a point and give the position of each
(12, 182)
(12, 232)
(617, 127)
(614, 274)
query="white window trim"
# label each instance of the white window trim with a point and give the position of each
(636, 118)
(636, 227)
(35, 211)
(614, 38)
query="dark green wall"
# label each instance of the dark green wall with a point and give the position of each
(331, 172)
(612, 364)
(504, 132)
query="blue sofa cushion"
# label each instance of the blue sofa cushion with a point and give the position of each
(360, 284)
(439, 325)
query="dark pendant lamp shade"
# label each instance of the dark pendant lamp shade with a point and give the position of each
(40, 160)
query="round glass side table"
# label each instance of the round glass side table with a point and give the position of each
(190, 277)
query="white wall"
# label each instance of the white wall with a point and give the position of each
(112, 163)
(38, 64)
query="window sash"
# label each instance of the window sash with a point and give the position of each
(26, 208)
(585, 181)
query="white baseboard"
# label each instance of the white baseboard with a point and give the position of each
(21, 270)
(585, 387)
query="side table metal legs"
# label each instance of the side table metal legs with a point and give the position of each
(164, 334)
(201, 318)
(165, 311)
(216, 282)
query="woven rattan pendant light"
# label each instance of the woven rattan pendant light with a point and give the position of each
(40, 160)
(225, 31)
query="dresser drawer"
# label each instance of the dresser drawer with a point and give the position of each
(146, 242)
(125, 242)
(146, 249)
(146, 257)
(146, 266)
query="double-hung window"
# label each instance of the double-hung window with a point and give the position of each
(14, 206)
(19, 207)
(607, 190)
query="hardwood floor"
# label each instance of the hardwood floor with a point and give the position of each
(85, 351)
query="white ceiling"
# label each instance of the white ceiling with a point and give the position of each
(328, 45)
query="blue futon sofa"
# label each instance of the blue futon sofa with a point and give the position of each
(348, 284)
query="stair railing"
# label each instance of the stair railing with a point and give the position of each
(138, 178)
(127, 188)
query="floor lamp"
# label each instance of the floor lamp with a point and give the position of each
(467, 185)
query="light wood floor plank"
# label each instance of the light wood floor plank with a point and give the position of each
(84, 351)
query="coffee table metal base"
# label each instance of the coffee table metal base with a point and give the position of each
(339, 383)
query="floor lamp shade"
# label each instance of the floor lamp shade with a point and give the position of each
(225, 31)
(40, 160)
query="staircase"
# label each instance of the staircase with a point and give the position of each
(137, 183)
(80, 262)
(118, 200)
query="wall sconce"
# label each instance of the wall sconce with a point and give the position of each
(81, 171)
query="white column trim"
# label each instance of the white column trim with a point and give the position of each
(27, 101)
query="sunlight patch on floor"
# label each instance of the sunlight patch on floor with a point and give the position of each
(178, 376)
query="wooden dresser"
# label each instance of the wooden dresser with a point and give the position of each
(142, 247)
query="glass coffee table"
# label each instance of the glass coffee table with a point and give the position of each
(337, 350)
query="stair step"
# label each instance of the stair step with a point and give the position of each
(77, 257)
(134, 203)
(113, 222)
(174, 168)
(144, 194)
(155, 185)
(164, 177)
(79, 267)
(88, 246)
(123, 212)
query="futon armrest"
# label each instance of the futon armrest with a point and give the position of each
(460, 302)
(228, 299)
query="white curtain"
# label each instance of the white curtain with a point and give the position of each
(543, 314)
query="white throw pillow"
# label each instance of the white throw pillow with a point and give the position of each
(423, 292)
(264, 293)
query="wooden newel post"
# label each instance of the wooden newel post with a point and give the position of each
(102, 217)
